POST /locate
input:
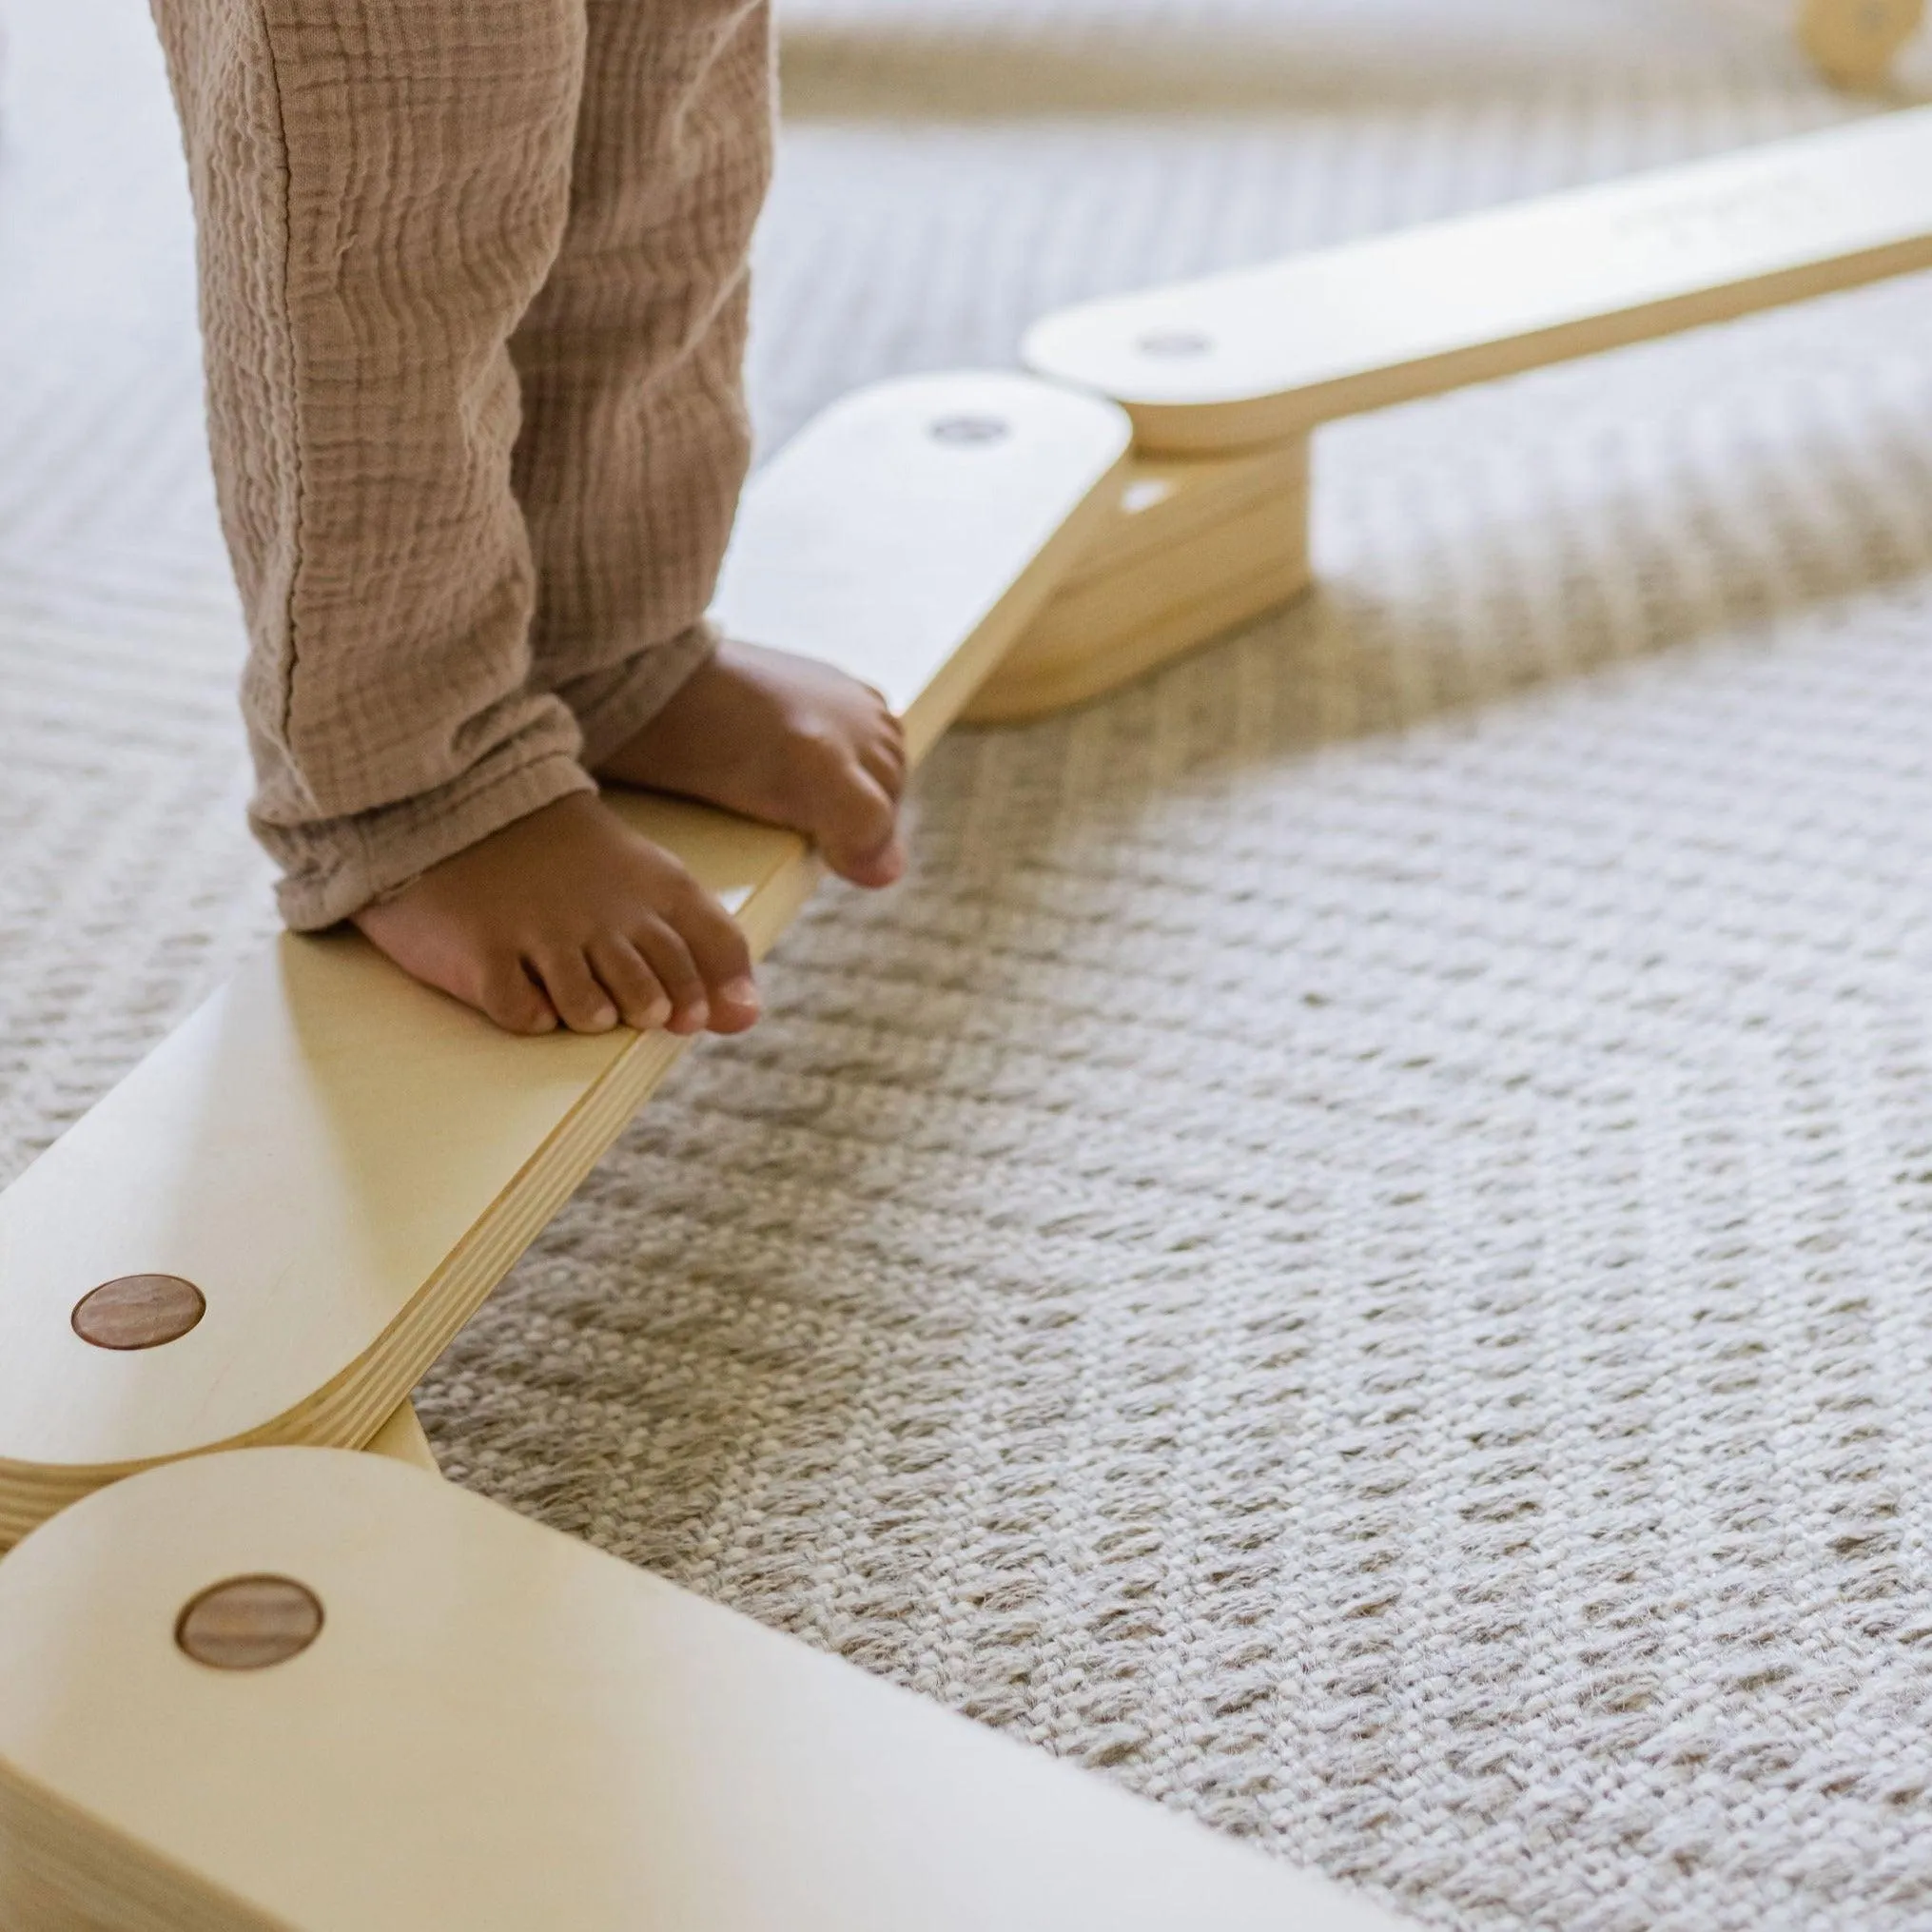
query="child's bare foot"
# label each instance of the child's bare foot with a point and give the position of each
(788, 740)
(570, 916)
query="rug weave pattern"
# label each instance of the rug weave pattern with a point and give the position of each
(1351, 1249)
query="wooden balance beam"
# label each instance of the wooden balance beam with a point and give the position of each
(1226, 378)
(275, 1224)
(426, 1710)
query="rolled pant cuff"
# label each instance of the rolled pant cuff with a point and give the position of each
(335, 868)
(611, 705)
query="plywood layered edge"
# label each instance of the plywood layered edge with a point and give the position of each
(344, 1162)
(498, 1728)
(1262, 355)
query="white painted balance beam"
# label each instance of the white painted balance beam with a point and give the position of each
(313, 1182)
(478, 1723)
(1262, 355)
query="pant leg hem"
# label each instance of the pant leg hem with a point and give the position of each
(611, 706)
(334, 870)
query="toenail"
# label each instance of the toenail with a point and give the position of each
(742, 991)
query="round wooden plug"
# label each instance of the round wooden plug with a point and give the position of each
(138, 1311)
(249, 1623)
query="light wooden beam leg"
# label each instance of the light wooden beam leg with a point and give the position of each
(424, 1710)
(1197, 546)
(275, 1224)
(1854, 42)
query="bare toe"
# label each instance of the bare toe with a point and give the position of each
(885, 763)
(723, 960)
(510, 997)
(581, 1003)
(627, 977)
(859, 830)
(878, 870)
(664, 949)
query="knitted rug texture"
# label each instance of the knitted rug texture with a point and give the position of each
(1351, 1249)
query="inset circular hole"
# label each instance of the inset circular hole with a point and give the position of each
(249, 1623)
(138, 1311)
(967, 430)
(1173, 345)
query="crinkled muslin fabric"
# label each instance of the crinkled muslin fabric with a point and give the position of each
(474, 288)
(1351, 1249)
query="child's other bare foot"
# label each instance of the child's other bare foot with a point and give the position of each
(788, 740)
(569, 916)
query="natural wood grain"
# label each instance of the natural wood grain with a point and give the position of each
(1199, 545)
(500, 1728)
(344, 1162)
(138, 1311)
(1262, 355)
(249, 1623)
(1167, 504)
(1854, 42)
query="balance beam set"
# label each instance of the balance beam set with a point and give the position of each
(249, 1680)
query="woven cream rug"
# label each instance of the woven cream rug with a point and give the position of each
(1354, 1249)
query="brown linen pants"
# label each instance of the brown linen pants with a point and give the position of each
(473, 300)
